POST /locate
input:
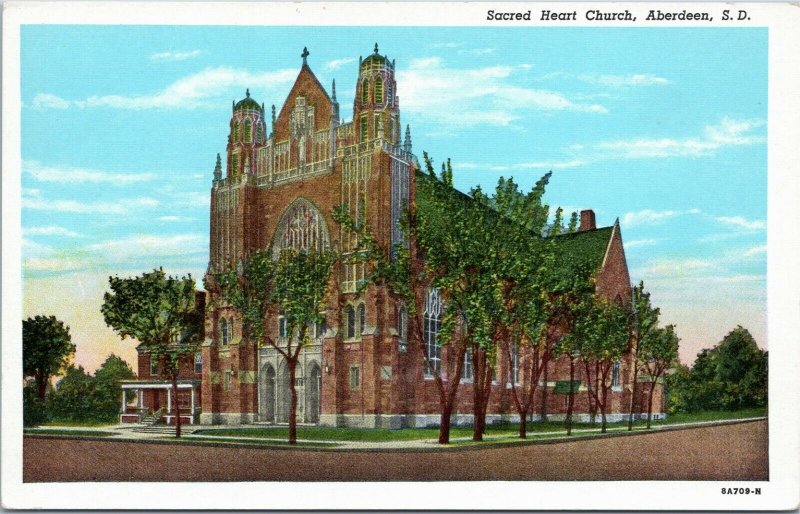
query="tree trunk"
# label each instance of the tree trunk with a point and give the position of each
(523, 424)
(177, 406)
(444, 423)
(633, 386)
(41, 385)
(292, 363)
(603, 404)
(650, 401)
(481, 390)
(544, 392)
(571, 398)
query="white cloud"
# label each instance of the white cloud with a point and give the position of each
(338, 63)
(728, 132)
(534, 165)
(175, 56)
(175, 218)
(742, 223)
(51, 230)
(755, 251)
(638, 79)
(477, 52)
(646, 217)
(449, 44)
(70, 175)
(477, 96)
(150, 245)
(48, 101)
(195, 90)
(125, 206)
(640, 242)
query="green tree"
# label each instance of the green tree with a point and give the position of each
(107, 386)
(602, 338)
(47, 349)
(742, 367)
(34, 410)
(658, 352)
(162, 313)
(73, 399)
(643, 320)
(296, 285)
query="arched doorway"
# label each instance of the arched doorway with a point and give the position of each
(314, 387)
(268, 393)
(284, 395)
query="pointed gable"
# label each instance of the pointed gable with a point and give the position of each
(306, 85)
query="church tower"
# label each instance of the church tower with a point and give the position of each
(247, 134)
(376, 113)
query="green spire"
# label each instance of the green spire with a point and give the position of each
(334, 90)
(218, 169)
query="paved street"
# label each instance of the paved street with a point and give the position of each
(728, 452)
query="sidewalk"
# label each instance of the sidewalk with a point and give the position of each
(124, 432)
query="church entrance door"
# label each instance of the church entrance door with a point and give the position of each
(313, 397)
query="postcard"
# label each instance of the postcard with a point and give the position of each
(425, 256)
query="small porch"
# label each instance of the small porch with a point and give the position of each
(153, 400)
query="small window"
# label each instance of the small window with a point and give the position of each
(283, 329)
(350, 322)
(362, 318)
(260, 132)
(515, 361)
(236, 131)
(248, 130)
(198, 363)
(615, 375)
(234, 164)
(153, 364)
(389, 95)
(226, 331)
(402, 320)
(378, 90)
(363, 129)
(355, 377)
(364, 91)
(466, 371)
(228, 384)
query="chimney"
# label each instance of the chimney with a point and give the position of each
(587, 221)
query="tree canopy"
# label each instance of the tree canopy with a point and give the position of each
(47, 349)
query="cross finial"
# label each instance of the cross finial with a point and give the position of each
(304, 55)
(247, 93)
(376, 48)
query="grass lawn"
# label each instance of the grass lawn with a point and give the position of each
(502, 432)
(78, 424)
(75, 433)
(303, 444)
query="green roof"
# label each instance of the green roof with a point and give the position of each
(247, 103)
(583, 248)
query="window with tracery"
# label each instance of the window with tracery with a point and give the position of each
(365, 91)
(350, 322)
(378, 90)
(362, 318)
(301, 228)
(432, 323)
(236, 131)
(248, 130)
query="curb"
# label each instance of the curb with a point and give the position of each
(485, 445)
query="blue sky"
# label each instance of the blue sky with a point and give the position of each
(664, 128)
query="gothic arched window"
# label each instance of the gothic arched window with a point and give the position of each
(364, 91)
(362, 318)
(301, 228)
(378, 90)
(260, 132)
(236, 131)
(223, 328)
(350, 322)
(248, 131)
(432, 323)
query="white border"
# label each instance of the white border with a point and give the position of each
(782, 490)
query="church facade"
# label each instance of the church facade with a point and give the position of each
(281, 176)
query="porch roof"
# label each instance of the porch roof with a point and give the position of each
(158, 384)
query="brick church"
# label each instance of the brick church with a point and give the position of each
(280, 178)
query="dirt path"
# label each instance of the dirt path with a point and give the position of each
(729, 452)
